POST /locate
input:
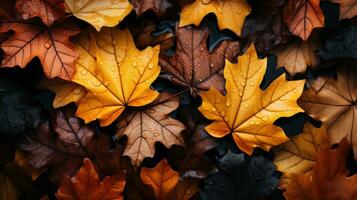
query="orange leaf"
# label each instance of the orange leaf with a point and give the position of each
(85, 185)
(50, 44)
(48, 10)
(302, 16)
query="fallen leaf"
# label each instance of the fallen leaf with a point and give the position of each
(297, 55)
(329, 179)
(239, 177)
(230, 13)
(100, 13)
(48, 10)
(160, 7)
(50, 44)
(118, 76)
(86, 185)
(299, 154)
(146, 127)
(302, 16)
(247, 111)
(166, 184)
(192, 65)
(66, 92)
(348, 8)
(332, 101)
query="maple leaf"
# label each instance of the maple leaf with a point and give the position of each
(115, 74)
(230, 13)
(299, 154)
(100, 13)
(48, 10)
(160, 7)
(66, 92)
(302, 16)
(192, 65)
(146, 127)
(50, 44)
(247, 111)
(329, 179)
(166, 184)
(348, 8)
(332, 101)
(86, 185)
(297, 55)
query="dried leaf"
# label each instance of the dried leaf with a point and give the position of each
(50, 44)
(119, 75)
(333, 102)
(348, 8)
(302, 16)
(66, 92)
(297, 55)
(193, 66)
(85, 185)
(48, 10)
(299, 154)
(160, 7)
(100, 13)
(329, 178)
(146, 127)
(230, 13)
(247, 111)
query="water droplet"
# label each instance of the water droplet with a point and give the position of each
(47, 45)
(134, 64)
(151, 66)
(211, 65)
(251, 123)
(242, 83)
(202, 48)
(156, 134)
(96, 83)
(77, 91)
(200, 80)
(228, 102)
(283, 98)
(264, 118)
(246, 105)
(198, 65)
(295, 90)
(213, 109)
(240, 93)
(251, 83)
(84, 72)
(152, 111)
(222, 113)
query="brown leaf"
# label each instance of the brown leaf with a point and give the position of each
(146, 127)
(166, 184)
(329, 179)
(48, 10)
(86, 185)
(332, 101)
(160, 7)
(302, 16)
(192, 65)
(50, 44)
(348, 8)
(297, 55)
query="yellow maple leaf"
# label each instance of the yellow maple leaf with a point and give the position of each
(247, 111)
(230, 13)
(115, 74)
(100, 13)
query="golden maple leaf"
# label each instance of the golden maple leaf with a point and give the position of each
(230, 13)
(100, 13)
(115, 74)
(247, 111)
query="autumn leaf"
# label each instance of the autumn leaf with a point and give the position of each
(192, 65)
(230, 13)
(348, 8)
(115, 74)
(247, 111)
(329, 179)
(299, 154)
(332, 101)
(66, 92)
(166, 184)
(86, 185)
(302, 16)
(160, 7)
(48, 10)
(100, 13)
(146, 127)
(50, 44)
(297, 55)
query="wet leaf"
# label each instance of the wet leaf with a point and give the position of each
(230, 13)
(160, 7)
(247, 111)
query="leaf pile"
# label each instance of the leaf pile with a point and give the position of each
(178, 99)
